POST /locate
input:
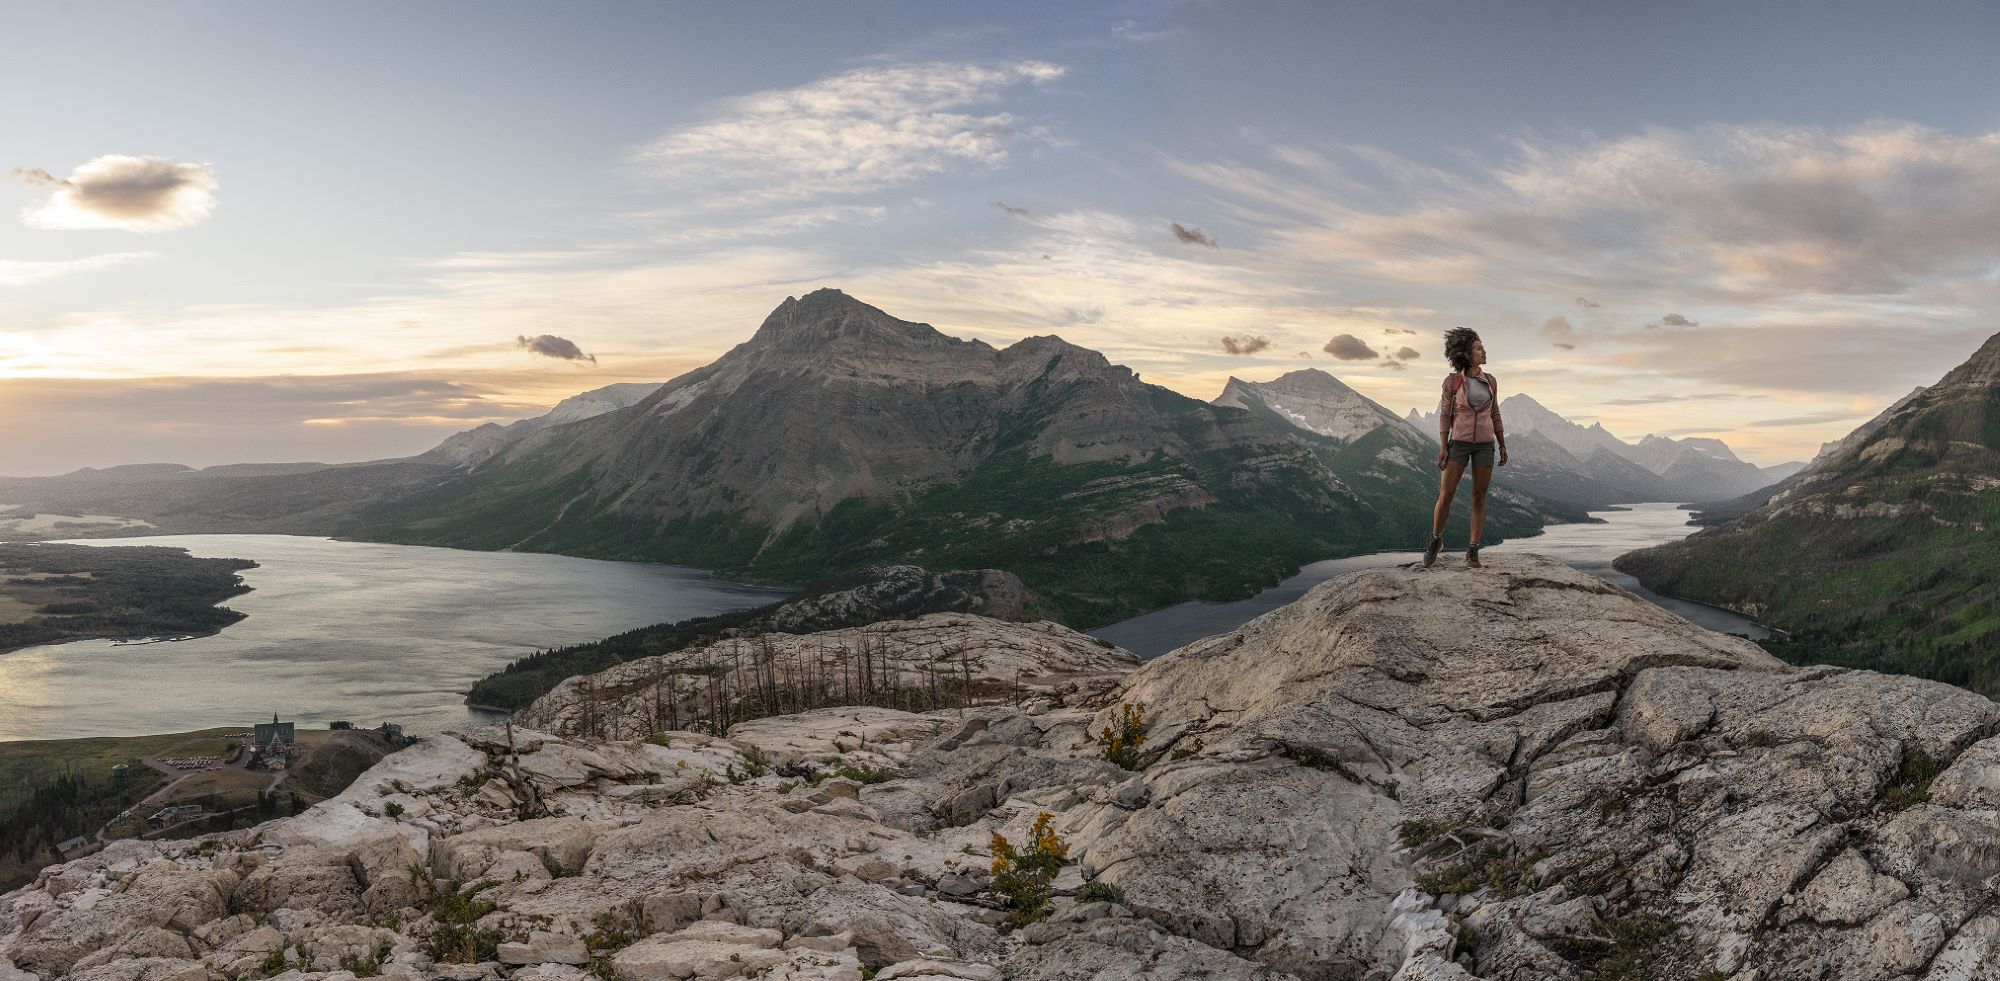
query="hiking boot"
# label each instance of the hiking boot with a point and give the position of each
(1431, 551)
(1472, 556)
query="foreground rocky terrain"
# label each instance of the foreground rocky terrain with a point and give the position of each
(1519, 772)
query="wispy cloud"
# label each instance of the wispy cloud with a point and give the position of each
(1246, 344)
(19, 272)
(136, 194)
(858, 131)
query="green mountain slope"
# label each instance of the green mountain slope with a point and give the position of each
(1883, 554)
(839, 437)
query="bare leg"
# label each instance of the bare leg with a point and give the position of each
(1447, 487)
(1481, 476)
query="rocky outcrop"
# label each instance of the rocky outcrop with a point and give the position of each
(938, 654)
(1519, 772)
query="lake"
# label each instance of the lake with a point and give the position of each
(347, 630)
(1583, 546)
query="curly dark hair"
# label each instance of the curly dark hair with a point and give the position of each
(1458, 343)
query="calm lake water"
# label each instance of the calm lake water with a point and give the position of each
(347, 630)
(1586, 547)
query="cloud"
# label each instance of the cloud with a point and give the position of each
(1010, 209)
(1348, 347)
(1245, 344)
(1558, 331)
(1704, 397)
(1408, 353)
(1676, 320)
(1584, 301)
(1133, 32)
(1815, 419)
(1723, 213)
(34, 176)
(1077, 316)
(858, 131)
(1193, 236)
(1398, 330)
(135, 194)
(20, 272)
(551, 346)
(1395, 365)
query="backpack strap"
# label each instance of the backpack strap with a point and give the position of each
(1453, 381)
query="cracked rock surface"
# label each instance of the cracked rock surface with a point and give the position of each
(1517, 773)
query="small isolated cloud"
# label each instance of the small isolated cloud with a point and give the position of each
(1676, 320)
(1245, 344)
(1305, 354)
(1585, 302)
(1396, 365)
(1193, 236)
(1559, 332)
(136, 194)
(1348, 347)
(1408, 353)
(1399, 330)
(1010, 209)
(34, 176)
(551, 346)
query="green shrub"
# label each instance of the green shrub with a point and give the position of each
(1101, 892)
(1027, 876)
(1121, 744)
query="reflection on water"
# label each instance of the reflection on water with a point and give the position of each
(1586, 547)
(347, 630)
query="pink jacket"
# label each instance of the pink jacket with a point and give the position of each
(1457, 420)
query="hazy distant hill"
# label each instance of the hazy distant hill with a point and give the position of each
(479, 444)
(839, 436)
(1882, 553)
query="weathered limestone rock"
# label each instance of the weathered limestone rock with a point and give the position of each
(1446, 775)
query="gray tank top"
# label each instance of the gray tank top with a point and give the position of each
(1477, 392)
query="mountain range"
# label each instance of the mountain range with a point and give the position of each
(1587, 464)
(1882, 552)
(839, 437)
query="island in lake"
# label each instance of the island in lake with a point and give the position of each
(54, 592)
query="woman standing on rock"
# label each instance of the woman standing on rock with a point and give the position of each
(1469, 432)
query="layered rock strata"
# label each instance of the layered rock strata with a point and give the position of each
(1519, 772)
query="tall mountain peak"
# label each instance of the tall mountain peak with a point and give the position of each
(828, 317)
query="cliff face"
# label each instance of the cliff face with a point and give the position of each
(1519, 772)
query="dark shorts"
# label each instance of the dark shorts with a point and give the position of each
(1478, 454)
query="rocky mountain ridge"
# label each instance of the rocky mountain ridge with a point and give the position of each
(839, 436)
(1516, 772)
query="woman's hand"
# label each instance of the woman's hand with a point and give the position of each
(1503, 456)
(1443, 456)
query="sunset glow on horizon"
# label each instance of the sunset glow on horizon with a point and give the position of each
(335, 233)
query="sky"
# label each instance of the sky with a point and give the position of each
(334, 232)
